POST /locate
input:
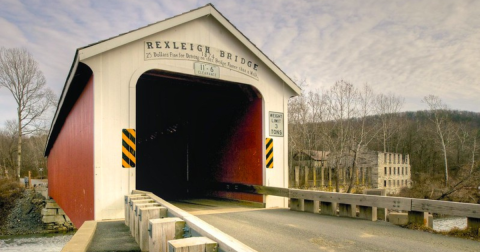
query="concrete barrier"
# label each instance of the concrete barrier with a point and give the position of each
(128, 199)
(199, 227)
(137, 218)
(193, 244)
(164, 230)
(82, 238)
(398, 218)
(133, 204)
(145, 215)
(382, 213)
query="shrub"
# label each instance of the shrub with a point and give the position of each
(10, 190)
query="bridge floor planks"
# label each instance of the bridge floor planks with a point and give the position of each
(214, 206)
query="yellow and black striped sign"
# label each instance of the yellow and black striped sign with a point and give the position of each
(269, 151)
(128, 148)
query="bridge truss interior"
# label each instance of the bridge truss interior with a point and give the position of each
(194, 133)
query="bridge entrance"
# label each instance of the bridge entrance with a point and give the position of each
(195, 132)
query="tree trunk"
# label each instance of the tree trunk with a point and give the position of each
(473, 154)
(444, 147)
(19, 147)
(337, 189)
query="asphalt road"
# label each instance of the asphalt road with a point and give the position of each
(284, 230)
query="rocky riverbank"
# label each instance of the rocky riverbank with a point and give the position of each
(26, 216)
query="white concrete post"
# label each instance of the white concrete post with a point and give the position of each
(146, 214)
(127, 205)
(162, 231)
(136, 221)
(193, 244)
(132, 212)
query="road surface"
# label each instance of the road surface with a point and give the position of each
(284, 230)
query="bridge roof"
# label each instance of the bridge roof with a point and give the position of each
(70, 91)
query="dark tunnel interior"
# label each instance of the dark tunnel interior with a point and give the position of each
(192, 132)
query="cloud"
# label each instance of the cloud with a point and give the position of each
(413, 48)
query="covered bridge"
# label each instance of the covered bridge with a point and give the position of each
(168, 108)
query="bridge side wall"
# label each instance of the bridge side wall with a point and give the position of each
(70, 162)
(242, 162)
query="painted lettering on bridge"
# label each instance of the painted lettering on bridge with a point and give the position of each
(164, 49)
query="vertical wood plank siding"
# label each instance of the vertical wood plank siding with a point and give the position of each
(70, 161)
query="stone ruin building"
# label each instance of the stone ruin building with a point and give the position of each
(374, 170)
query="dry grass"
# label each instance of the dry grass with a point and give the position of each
(10, 190)
(467, 233)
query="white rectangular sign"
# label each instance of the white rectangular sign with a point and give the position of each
(276, 123)
(204, 69)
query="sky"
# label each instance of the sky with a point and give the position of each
(411, 48)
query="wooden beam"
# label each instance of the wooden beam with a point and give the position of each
(446, 207)
(395, 203)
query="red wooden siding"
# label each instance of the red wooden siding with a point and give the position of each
(243, 158)
(70, 162)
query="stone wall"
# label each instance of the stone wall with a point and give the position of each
(54, 218)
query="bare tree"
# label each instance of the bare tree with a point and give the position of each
(340, 109)
(20, 74)
(364, 132)
(440, 119)
(8, 137)
(387, 107)
(476, 134)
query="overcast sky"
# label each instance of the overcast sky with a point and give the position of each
(409, 47)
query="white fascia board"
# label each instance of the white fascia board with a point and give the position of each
(71, 75)
(257, 52)
(129, 37)
(121, 40)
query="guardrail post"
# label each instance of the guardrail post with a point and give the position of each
(474, 224)
(311, 206)
(347, 210)
(193, 244)
(382, 213)
(127, 206)
(417, 218)
(163, 230)
(297, 204)
(367, 213)
(146, 214)
(130, 208)
(138, 218)
(133, 213)
(328, 208)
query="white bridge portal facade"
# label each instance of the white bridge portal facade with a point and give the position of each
(172, 108)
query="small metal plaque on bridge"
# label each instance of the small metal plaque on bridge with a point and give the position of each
(207, 70)
(276, 124)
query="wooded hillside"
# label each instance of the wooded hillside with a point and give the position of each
(443, 144)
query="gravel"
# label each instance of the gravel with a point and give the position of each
(25, 217)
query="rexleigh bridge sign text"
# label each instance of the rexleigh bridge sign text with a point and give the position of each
(176, 50)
